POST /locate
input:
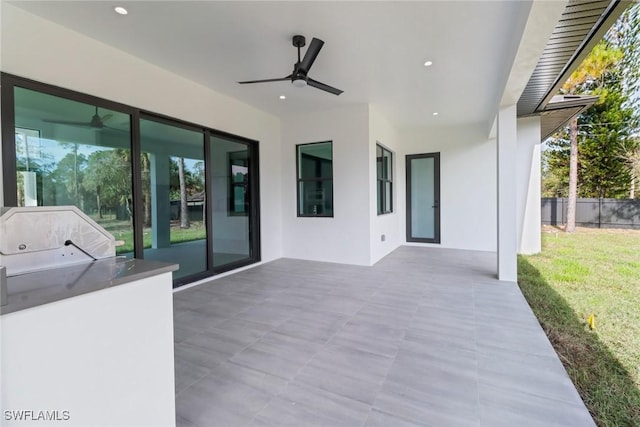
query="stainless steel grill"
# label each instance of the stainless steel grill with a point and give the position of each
(44, 237)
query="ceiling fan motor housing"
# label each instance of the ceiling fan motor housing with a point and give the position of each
(298, 81)
(299, 41)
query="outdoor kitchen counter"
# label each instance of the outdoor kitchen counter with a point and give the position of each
(57, 284)
(91, 344)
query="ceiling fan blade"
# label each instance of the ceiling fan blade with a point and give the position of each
(266, 80)
(106, 117)
(112, 129)
(310, 56)
(323, 86)
(64, 122)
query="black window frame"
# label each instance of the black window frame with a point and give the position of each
(382, 181)
(300, 180)
(9, 81)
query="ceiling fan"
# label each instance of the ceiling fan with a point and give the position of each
(96, 122)
(299, 77)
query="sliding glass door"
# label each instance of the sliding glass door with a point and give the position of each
(174, 198)
(169, 190)
(232, 192)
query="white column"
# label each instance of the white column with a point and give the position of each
(528, 169)
(160, 202)
(507, 224)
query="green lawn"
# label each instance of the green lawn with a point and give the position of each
(592, 272)
(122, 230)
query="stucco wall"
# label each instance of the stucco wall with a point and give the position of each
(467, 183)
(383, 132)
(345, 237)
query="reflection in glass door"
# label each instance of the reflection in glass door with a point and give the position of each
(174, 199)
(231, 166)
(74, 153)
(423, 198)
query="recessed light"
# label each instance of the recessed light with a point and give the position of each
(435, 113)
(428, 63)
(121, 10)
(283, 97)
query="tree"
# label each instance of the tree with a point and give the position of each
(605, 131)
(590, 75)
(184, 209)
(108, 177)
(146, 187)
(626, 33)
(68, 176)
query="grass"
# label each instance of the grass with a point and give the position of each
(122, 230)
(591, 272)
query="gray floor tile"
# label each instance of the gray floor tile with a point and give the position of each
(431, 412)
(509, 337)
(213, 402)
(287, 413)
(261, 381)
(338, 304)
(503, 407)
(242, 329)
(183, 422)
(272, 314)
(313, 326)
(380, 419)
(349, 372)
(371, 337)
(530, 374)
(426, 337)
(391, 297)
(187, 374)
(221, 341)
(278, 355)
(395, 317)
(199, 356)
(199, 318)
(340, 410)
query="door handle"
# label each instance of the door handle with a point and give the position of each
(435, 205)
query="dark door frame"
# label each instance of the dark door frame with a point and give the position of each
(436, 193)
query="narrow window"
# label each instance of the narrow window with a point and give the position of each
(315, 179)
(238, 200)
(384, 167)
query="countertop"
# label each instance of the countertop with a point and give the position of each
(47, 286)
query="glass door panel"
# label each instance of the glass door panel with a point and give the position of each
(423, 194)
(174, 198)
(231, 193)
(73, 153)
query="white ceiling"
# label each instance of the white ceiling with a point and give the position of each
(374, 51)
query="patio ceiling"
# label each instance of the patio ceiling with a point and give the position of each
(374, 51)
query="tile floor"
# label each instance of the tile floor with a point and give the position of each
(426, 337)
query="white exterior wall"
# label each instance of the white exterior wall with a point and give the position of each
(528, 186)
(467, 184)
(345, 237)
(58, 56)
(383, 132)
